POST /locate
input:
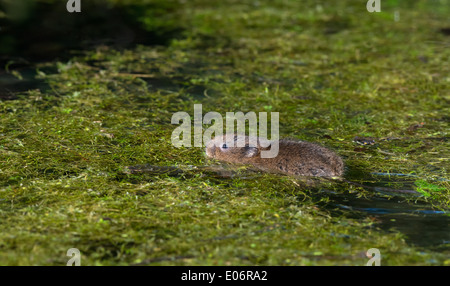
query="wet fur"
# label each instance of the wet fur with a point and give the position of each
(294, 157)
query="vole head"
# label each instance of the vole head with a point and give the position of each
(235, 148)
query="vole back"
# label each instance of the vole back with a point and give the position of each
(294, 157)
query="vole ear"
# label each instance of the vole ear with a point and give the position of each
(251, 151)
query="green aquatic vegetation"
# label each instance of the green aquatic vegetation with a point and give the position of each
(427, 189)
(88, 163)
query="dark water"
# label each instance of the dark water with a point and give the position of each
(395, 208)
(36, 31)
(11, 86)
(422, 225)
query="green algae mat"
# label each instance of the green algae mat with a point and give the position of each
(87, 160)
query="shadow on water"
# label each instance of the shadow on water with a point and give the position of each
(40, 31)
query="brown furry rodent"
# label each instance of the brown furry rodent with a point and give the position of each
(294, 157)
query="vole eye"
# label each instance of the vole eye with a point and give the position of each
(224, 146)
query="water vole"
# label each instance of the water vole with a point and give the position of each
(294, 157)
